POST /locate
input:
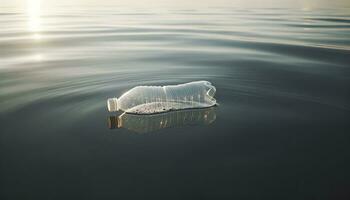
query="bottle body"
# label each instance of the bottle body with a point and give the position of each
(156, 99)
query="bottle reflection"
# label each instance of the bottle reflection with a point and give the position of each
(150, 123)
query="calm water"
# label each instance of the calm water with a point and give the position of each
(281, 130)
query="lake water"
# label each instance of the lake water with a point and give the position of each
(281, 129)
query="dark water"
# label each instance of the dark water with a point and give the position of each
(281, 129)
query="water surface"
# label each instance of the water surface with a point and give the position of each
(281, 130)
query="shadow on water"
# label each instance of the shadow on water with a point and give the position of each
(155, 122)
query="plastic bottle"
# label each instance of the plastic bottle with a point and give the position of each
(156, 99)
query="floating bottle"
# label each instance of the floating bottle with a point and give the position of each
(157, 99)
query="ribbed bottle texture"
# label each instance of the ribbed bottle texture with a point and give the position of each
(157, 99)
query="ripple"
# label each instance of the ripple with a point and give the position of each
(85, 57)
(338, 20)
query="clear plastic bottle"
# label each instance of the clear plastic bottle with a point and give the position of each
(157, 99)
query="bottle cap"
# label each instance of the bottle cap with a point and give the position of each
(112, 104)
